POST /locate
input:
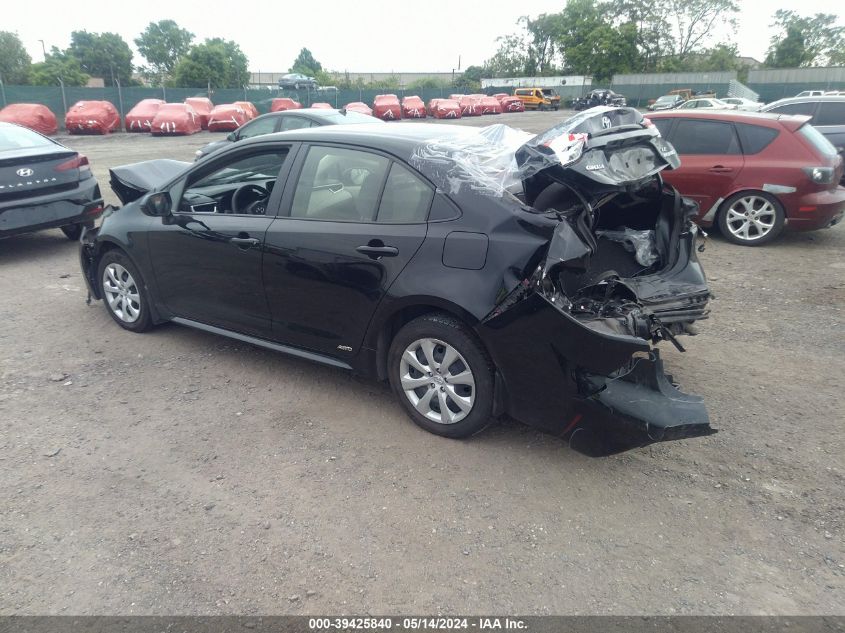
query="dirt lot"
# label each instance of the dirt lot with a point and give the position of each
(179, 472)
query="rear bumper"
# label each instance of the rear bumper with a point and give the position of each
(78, 206)
(817, 211)
(639, 407)
(602, 391)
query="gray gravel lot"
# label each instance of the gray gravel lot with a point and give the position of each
(177, 472)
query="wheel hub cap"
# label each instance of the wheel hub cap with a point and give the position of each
(121, 293)
(437, 381)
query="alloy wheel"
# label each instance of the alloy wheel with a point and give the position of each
(122, 293)
(751, 218)
(437, 380)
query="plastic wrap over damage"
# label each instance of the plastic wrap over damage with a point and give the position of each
(481, 159)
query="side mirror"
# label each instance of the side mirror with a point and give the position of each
(157, 204)
(232, 136)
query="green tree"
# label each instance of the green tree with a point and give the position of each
(103, 55)
(543, 34)
(470, 80)
(511, 58)
(14, 60)
(58, 66)
(805, 41)
(654, 36)
(695, 22)
(305, 64)
(163, 44)
(593, 45)
(218, 62)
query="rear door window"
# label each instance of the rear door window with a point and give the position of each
(755, 138)
(406, 198)
(294, 123)
(705, 137)
(830, 113)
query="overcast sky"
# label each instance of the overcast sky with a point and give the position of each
(343, 35)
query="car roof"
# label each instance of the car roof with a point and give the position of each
(401, 139)
(725, 115)
(807, 99)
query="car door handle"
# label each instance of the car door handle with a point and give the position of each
(721, 169)
(244, 242)
(374, 251)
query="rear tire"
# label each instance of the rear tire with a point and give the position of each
(442, 376)
(72, 232)
(124, 292)
(751, 218)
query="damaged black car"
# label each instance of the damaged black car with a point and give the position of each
(482, 272)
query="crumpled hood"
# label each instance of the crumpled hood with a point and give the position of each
(130, 182)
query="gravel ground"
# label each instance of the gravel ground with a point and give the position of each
(177, 472)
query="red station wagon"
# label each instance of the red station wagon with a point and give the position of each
(754, 174)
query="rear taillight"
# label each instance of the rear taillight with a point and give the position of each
(79, 162)
(820, 175)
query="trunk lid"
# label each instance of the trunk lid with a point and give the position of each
(37, 171)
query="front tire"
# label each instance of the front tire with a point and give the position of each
(442, 376)
(751, 218)
(123, 291)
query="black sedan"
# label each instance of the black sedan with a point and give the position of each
(478, 276)
(44, 185)
(285, 121)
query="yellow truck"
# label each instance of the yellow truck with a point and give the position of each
(538, 98)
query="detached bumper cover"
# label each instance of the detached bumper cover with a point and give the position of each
(639, 407)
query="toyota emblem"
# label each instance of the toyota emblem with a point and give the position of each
(25, 172)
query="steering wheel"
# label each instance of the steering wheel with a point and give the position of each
(250, 199)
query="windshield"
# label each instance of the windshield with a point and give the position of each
(14, 137)
(667, 99)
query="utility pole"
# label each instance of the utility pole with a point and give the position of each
(43, 49)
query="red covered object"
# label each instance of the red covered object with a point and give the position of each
(322, 105)
(490, 105)
(250, 108)
(469, 106)
(457, 97)
(176, 118)
(512, 104)
(387, 107)
(359, 106)
(445, 109)
(140, 118)
(413, 108)
(284, 103)
(202, 106)
(500, 95)
(227, 117)
(92, 117)
(32, 115)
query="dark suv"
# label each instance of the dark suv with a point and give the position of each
(827, 112)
